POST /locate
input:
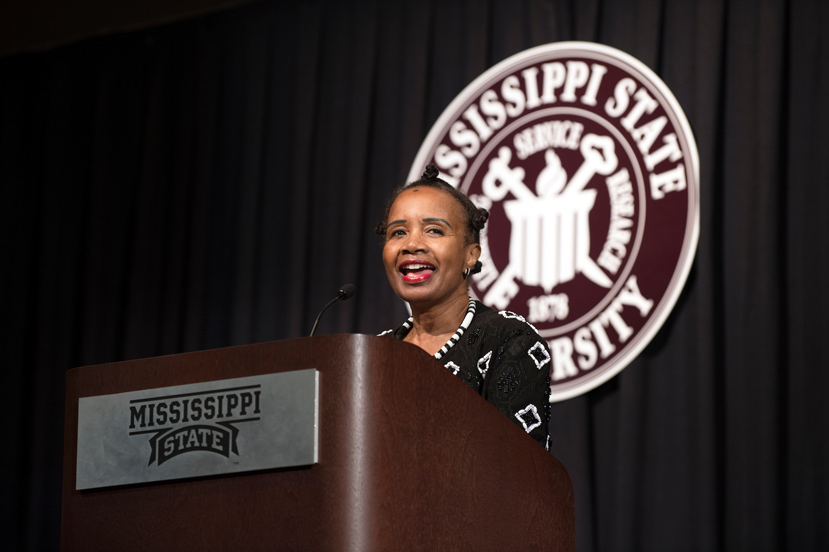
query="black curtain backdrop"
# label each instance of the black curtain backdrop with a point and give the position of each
(212, 182)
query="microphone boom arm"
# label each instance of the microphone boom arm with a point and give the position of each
(346, 291)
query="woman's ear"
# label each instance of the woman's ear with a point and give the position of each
(473, 253)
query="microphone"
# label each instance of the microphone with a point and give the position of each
(346, 291)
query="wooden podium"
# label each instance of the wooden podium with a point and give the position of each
(410, 458)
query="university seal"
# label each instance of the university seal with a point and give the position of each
(590, 172)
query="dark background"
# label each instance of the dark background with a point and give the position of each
(208, 176)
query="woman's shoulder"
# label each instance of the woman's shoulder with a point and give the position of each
(503, 321)
(398, 333)
(506, 331)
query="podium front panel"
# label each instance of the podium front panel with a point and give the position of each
(409, 458)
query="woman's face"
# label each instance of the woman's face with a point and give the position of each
(426, 252)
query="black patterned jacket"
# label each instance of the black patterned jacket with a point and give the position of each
(504, 360)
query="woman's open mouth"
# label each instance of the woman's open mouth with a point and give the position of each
(415, 272)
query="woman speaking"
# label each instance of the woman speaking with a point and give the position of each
(431, 248)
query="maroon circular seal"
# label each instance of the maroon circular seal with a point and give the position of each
(590, 172)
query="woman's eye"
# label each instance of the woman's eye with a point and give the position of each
(398, 232)
(435, 231)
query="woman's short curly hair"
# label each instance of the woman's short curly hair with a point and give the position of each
(475, 217)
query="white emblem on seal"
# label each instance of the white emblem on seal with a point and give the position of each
(555, 220)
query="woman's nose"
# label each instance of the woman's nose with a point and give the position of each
(414, 243)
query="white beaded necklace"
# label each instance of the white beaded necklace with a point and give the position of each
(467, 320)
